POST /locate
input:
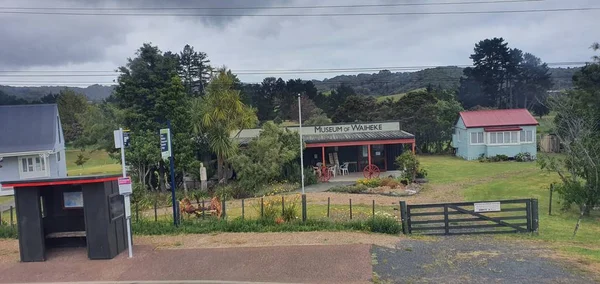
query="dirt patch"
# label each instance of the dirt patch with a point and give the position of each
(9, 250)
(225, 240)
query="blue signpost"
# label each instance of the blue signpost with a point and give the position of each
(166, 150)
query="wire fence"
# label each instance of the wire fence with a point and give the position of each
(285, 207)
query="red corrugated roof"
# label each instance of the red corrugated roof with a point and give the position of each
(497, 117)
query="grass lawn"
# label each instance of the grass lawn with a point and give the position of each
(512, 180)
(546, 123)
(449, 169)
(99, 163)
(5, 198)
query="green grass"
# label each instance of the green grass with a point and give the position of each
(513, 180)
(377, 225)
(546, 123)
(396, 97)
(450, 169)
(99, 163)
(4, 199)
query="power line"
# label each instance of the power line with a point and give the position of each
(53, 73)
(269, 7)
(304, 15)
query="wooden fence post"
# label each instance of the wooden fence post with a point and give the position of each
(350, 208)
(155, 210)
(203, 210)
(137, 212)
(403, 217)
(223, 210)
(262, 208)
(11, 217)
(535, 216)
(282, 205)
(242, 209)
(328, 204)
(304, 207)
(550, 204)
(373, 209)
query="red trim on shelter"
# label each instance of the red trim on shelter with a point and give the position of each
(63, 182)
(361, 143)
(498, 129)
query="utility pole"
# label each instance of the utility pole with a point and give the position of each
(301, 142)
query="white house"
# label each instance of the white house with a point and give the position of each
(32, 145)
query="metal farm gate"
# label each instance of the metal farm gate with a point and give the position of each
(481, 217)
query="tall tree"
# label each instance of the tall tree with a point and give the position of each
(309, 109)
(502, 77)
(150, 93)
(70, 106)
(219, 113)
(356, 109)
(194, 70)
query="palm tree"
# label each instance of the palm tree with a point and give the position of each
(219, 114)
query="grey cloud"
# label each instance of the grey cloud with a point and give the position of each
(50, 40)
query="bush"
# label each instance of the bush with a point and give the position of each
(310, 177)
(501, 157)
(369, 182)
(194, 226)
(524, 157)
(7, 232)
(224, 191)
(408, 162)
(272, 208)
(421, 173)
(358, 188)
(390, 182)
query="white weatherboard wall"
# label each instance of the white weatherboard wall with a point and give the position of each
(9, 171)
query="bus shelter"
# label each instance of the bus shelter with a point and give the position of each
(65, 212)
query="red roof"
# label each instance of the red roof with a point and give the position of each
(497, 117)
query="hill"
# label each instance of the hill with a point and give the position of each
(93, 93)
(385, 83)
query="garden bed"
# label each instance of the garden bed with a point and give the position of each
(387, 186)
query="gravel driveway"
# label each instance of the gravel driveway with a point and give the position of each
(468, 260)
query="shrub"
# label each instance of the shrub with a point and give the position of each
(408, 162)
(373, 182)
(7, 232)
(390, 182)
(224, 191)
(523, 157)
(385, 225)
(358, 188)
(421, 173)
(501, 157)
(273, 208)
(310, 177)
(194, 226)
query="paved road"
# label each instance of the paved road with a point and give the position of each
(334, 264)
(469, 260)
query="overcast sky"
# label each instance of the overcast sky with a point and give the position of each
(250, 41)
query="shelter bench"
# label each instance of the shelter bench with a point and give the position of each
(74, 234)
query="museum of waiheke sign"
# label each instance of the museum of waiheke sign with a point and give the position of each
(349, 128)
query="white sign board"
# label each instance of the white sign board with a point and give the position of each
(486, 207)
(125, 186)
(118, 139)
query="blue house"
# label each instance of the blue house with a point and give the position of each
(32, 145)
(495, 132)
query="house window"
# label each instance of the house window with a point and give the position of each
(508, 137)
(32, 166)
(527, 136)
(476, 137)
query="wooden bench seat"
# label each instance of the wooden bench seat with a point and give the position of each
(74, 234)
